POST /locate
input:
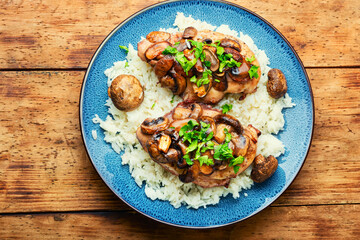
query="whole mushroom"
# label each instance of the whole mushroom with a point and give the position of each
(276, 85)
(263, 168)
(126, 92)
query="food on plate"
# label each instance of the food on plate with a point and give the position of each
(126, 92)
(200, 144)
(263, 168)
(160, 108)
(276, 85)
(201, 66)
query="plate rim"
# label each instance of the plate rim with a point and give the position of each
(164, 3)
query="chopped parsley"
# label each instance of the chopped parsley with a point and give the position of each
(170, 51)
(125, 48)
(172, 99)
(251, 59)
(253, 72)
(226, 107)
(200, 141)
(223, 152)
(205, 79)
(152, 107)
(126, 64)
(226, 60)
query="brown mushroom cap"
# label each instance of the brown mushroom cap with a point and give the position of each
(189, 32)
(212, 58)
(263, 168)
(150, 125)
(220, 82)
(155, 50)
(240, 74)
(276, 85)
(126, 92)
(158, 36)
(235, 54)
(163, 66)
(229, 120)
(226, 42)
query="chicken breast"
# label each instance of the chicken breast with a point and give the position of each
(223, 148)
(225, 64)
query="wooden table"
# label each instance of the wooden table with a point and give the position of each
(48, 187)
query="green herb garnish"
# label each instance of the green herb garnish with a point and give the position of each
(170, 51)
(125, 48)
(153, 105)
(226, 107)
(172, 99)
(251, 59)
(253, 72)
(223, 152)
(205, 160)
(126, 64)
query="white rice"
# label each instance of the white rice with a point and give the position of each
(94, 134)
(258, 108)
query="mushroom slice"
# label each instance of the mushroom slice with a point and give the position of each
(182, 45)
(226, 42)
(158, 36)
(181, 113)
(192, 110)
(150, 125)
(241, 144)
(198, 66)
(180, 83)
(164, 143)
(263, 168)
(240, 74)
(229, 120)
(154, 152)
(203, 89)
(235, 54)
(179, 70)
(174, 135)
(164, 65)
(219, 135)
(206, 169)
(207, 41)
(210, 121)
(155, 50)
(178, 124)
(189, 32)
(196, 110)
(212, 58)
(168, 82)
(220, 82)
(173, 155)
(191, 174)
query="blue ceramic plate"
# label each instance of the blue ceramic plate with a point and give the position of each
(296, 135)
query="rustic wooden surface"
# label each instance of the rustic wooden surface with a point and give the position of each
(48, 187)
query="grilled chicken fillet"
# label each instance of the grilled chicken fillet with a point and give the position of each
(171, 74)
(166, 145)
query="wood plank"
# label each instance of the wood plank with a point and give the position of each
(65, 34)
(44, 167)
(307, 222)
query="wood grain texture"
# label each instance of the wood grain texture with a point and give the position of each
(306, 222)
(50, 34)
(44, 166)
